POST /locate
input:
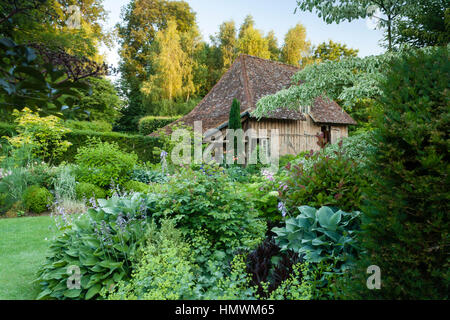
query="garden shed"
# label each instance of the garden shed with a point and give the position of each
(250, 78)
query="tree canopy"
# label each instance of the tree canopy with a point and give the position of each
(295, 45)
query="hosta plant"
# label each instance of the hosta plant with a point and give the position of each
(101, 245)
(321, 235)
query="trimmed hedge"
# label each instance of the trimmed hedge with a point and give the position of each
(99, 126)
(140, 144)
(150, 124)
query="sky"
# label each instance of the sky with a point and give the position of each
(276, 15)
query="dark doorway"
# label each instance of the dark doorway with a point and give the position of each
(326, 134)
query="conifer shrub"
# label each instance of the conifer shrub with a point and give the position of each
(407, 215)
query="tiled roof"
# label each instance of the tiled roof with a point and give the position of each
(328, 111)
(248, 79)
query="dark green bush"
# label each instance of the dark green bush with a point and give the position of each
(331, 181)
(99, 126)
(150, 124)
(406, 233)
(104, 163)
(85, 190)
(36, 199)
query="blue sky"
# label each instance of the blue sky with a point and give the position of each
(268, 15)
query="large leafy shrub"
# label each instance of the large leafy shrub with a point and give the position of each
(408, 209)
(102, 163)
(331, 181)
(102, 243)
(46, 134)
(323, 235)
(213, 204)
(37, 199)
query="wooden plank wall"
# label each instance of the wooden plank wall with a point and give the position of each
(295, 135)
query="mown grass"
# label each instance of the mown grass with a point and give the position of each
(22, 250)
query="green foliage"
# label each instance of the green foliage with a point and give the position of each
(148, 176)
(234, 121)
(329, 181)
(103, 243)
(27, 83)
(15, 179)
(333, 51)
(251, 41)
(322, 235)
(132, 144)
(264, 197)
(296, 287)
(36, 199)
(150, 124)
(141, 145)
(347, 81)
(406, 233)
(13, 184)
(166, 270)
(45, 134)
(426, 23)
(337, 11)
(295, 45)
(102, 163)
(64, 183)
(99, 125)
(236, 284)
(358, 148)
(210, 202)
(103, 104)
(284, 160)
(137, 49)
(85, 190)
(135, 186)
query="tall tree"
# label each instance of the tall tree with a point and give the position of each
(72, 25)
(141, 20)
(333, 51)
(273, 46)
(225, 40)
(425, 24)
(295, 45)
(168, 66)
(248, 22)
(251, 41)
(348, 10)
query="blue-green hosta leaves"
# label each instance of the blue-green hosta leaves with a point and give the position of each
(319, 235)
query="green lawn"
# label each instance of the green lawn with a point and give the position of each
(22, 250)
